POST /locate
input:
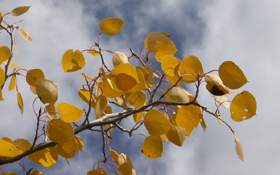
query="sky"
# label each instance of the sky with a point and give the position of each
(245, 32)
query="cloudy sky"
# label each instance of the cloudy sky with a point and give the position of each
(246, 32)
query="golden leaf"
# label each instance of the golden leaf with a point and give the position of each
(176, 134)
(69, 113)
(215, 85)
(79, 142)
(156, 123)
(114, 155)
(97, 171)
(50, 109)
(2, 76)
(111, 26)
(125, 165)
(46, 91)
(20, 10)
(188, 117)
(73, 61)
(176, 94)
(59, 131)
(119, 58)
(67, 149)
(191, 66)
(124, 77)
(100, 106)
(20, 102)
(85, 96)
(8, 149)
(108, 89)
(36, 172)
(154, 41)
(12, 83)
(169, 64)
(152, 147)
(136, 99)
(24, 34)
(5, 53)
(168, 48)
(238, 147)
(33, 75)
(22, 144)
(231, 75)
(46, 157)
(243, 106)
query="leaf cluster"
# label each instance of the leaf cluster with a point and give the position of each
(169, 113)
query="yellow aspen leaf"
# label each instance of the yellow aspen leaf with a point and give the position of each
(73, 61)
(221, 100)
(13, 64)
(94, 52)
(108, 89)
(124, 77)
(156, 123)
(125, 165)
(111, 26)
(174, 79)
(231, 75)
(238, 147)
(46, 157)
(36, 172)
(164, 137)
(2, 76)
(148, 75)
(1, 17)
(243, 106)
(215, 85)
(100, 106)
(119, 58)
(79, 142)
(24, 34)
(69, 113)
(20, 102)
(12, 83)
(203, 123)
(142, 83)
(10, 173)
(191, 66)
(5, 53)
(33, 89)
(67, 149)
(22, 144)
(50, 109)
(138, 116)
(86, 76)
(114, 155)
(136, 99)
(97, 171)
(1, 95)
(59, 131)
(85, 95)
(7, 139)
(168, 48)
(154, 41)
(169, 64)
(33, 75)
(20, 10)
(176, 134)
(8, 149)
(46, 91)
(152, 147)
(188, 117)
(176, 94)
